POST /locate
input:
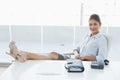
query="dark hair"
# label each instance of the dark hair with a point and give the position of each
(95, 17)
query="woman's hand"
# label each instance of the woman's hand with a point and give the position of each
(79, 57)
(75, 53)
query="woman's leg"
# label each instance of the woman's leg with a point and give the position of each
(36, 56)
(24, 55)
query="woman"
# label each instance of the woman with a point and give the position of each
(93, 48)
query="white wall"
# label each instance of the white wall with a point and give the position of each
(58, 12)
(39, 12)
(115, 43)
(4, 41)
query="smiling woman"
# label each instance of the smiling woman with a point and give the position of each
(94, 24)
(94, 47)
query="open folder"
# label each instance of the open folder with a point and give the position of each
(4, 64)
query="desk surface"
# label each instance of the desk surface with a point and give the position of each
(54, 70)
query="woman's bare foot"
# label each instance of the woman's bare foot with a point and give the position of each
(15, 57)
(11, 50)
(17, 54)
(12, 46)
(22, 56)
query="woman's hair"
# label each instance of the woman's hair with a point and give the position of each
(95, 17)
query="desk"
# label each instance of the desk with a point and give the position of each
(54, 70)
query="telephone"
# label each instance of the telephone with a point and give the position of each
(97, 64)
(74, 65)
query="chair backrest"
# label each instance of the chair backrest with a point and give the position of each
(108, 38)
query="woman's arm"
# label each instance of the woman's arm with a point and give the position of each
(86, 58)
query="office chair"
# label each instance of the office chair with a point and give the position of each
(108, 38)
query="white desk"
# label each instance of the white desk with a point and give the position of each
(54, 70)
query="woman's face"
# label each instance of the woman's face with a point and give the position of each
(94, 26)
